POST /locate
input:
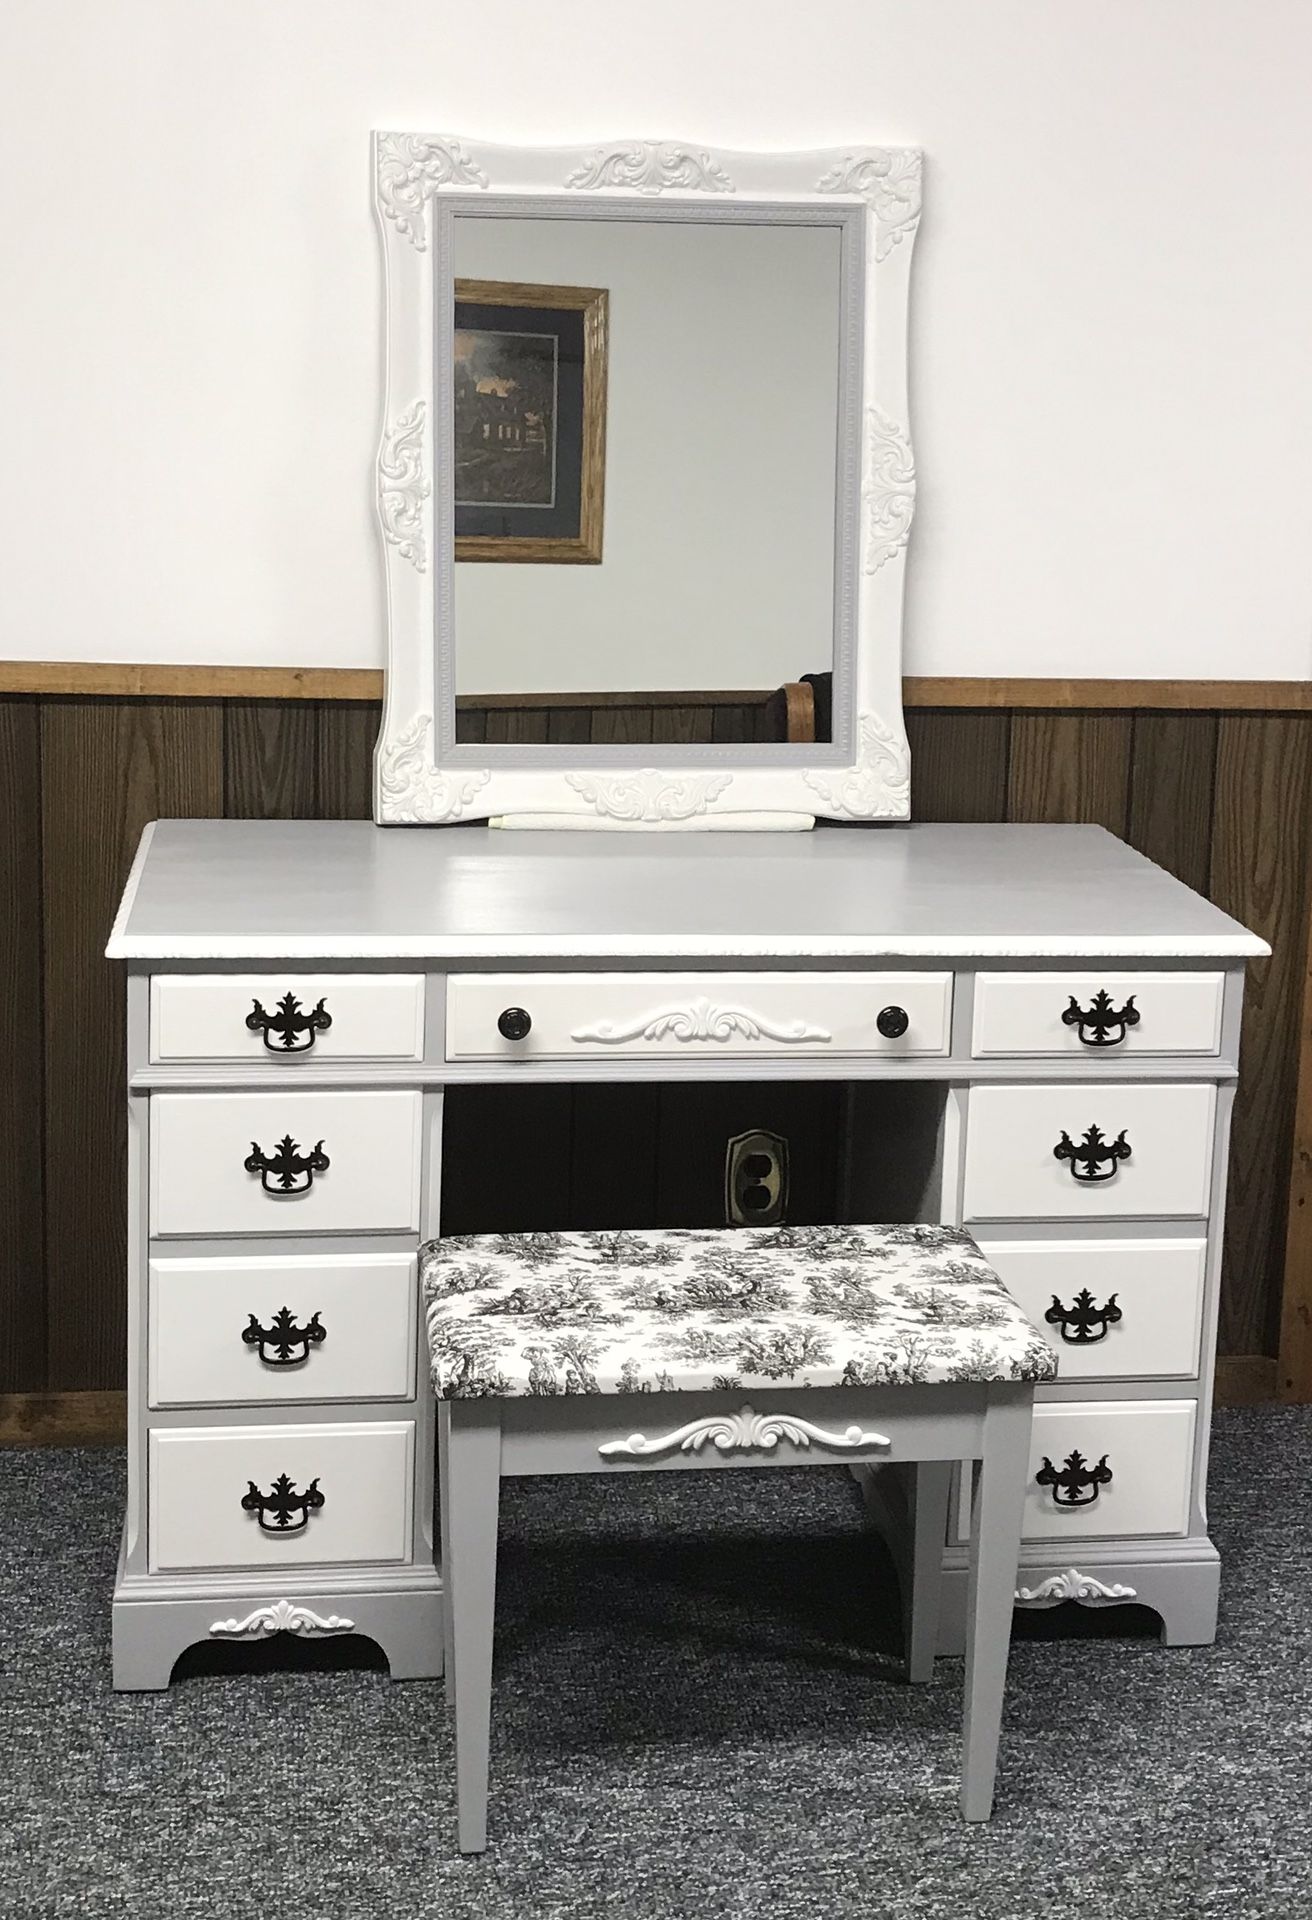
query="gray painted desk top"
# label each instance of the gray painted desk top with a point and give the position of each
(342, 890)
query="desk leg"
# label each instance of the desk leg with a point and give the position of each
(995, 1529)
(471, 1496)
(932, 1484)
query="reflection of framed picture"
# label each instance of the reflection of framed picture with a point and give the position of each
(530, 421)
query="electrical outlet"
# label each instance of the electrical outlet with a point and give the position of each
(756, 1180)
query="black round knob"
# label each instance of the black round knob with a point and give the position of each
(514, 1023)
(892, 1022)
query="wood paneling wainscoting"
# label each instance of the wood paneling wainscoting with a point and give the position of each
(1220, 795)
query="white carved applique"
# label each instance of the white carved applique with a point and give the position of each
(888, 179)
(1072, 1585)
(415, 791)
(403, 486)
(878, 786)
(649, 796)
(744, 1432)
(701, 1019)
(411, 166)
(281, 1617)
(888, 489)
(650, 166)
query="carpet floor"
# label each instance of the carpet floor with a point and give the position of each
(694, 1714)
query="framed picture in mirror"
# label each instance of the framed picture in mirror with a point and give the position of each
(715, 342)
(529, 425)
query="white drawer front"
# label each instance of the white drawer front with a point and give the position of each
(203, 1016)
(1149, 1448)
(1022, 1013)
(637, 1015)
(1155, 1285)
(349, 1335)
(1012, 1171)
(200, 1143)
(200, 1475)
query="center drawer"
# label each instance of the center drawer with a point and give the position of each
(516, 1016)
(345, 1491)
(331, 1162)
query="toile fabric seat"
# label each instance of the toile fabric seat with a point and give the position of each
(683, 1348)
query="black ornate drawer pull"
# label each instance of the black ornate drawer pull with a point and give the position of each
(892, 1022)
(1083, 1324)
(282, 1501)
(515, 1023)
(1076, 1483)
(284, 1344)
(1102, 1025)
(292, 1172)
(1096, 1158)
(287, 1023)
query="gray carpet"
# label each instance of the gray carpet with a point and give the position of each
(692, 1716)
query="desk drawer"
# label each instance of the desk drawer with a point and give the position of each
(219, 1161)
(642, 1015)
(1155, 1286)
(199, 1477)
(276, 1018)
(349, 1333)
(1014, 1171)
(1097, 1016)
(1149, 1450)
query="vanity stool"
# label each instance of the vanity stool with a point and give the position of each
(622, 1352)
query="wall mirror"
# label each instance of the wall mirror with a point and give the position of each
(644, 484)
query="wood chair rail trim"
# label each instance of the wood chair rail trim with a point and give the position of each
(69, 678)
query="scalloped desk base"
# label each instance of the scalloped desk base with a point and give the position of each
(156, 1618)
(1181, 1585)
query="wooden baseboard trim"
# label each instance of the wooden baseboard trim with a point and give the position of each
(1245, 1379)
(63, 1419)
(101, 1419)
(72, 678)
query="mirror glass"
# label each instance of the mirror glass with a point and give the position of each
(646, 441)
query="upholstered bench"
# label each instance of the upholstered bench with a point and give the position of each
(659, 1351)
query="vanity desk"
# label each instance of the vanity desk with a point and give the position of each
(1037, 1027)
(592, 482)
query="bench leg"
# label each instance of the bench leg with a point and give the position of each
(995, 1528)
(931, 1487)
(471, 1496)
(443, 1455)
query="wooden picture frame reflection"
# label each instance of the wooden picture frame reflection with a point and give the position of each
(529, 421)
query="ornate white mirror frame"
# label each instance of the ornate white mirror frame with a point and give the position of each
(420, 775)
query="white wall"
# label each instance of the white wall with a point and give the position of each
(1112, 302)
(721, 438)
